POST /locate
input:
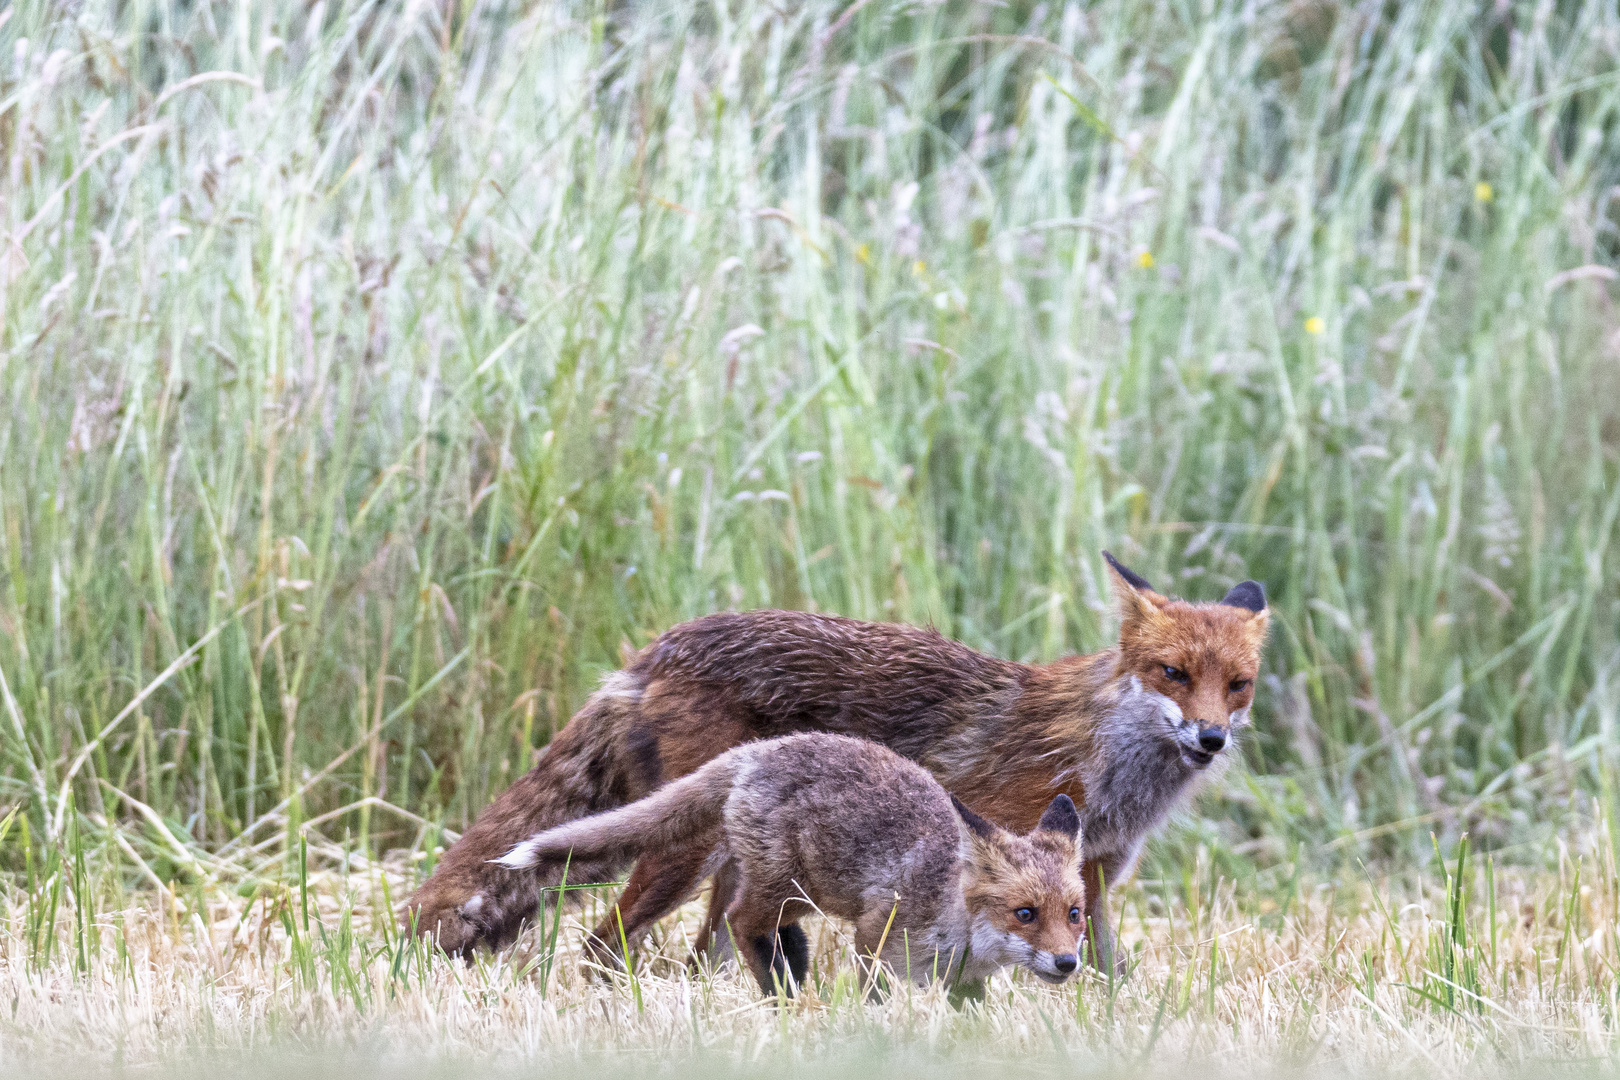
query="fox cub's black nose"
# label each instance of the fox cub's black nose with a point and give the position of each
(1065, 963)
(1211, 740)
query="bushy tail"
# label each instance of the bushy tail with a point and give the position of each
(470, 899)
(677, 813)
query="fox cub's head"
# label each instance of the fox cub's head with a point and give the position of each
(1195, 663)
(1024, 895)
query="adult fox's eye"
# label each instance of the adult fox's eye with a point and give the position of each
(1174, 674)
(1237, 686)
(1025, 914)
(1074, 915)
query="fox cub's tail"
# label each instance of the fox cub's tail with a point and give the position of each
(679, 813)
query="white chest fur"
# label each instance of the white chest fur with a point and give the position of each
(1138, 776)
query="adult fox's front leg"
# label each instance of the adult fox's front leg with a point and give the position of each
(1098, 875)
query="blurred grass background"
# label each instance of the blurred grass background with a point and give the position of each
(373, 376)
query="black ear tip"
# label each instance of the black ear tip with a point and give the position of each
(1135, 580)
(1249, 595)
(973, 821)
(1061, 817)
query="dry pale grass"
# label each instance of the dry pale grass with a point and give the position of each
(1334, 976)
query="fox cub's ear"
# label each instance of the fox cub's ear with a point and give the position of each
(976, 824)
(1061, 817)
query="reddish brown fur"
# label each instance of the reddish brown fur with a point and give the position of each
(1004, 736)
(1204, 641)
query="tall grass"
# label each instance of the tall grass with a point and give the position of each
(374, 375)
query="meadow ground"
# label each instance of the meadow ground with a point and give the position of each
(375, 376)
(1489, 973)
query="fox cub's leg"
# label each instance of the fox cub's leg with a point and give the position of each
(769, 965)
(763, 939)
(791, 946)
(714, 943)
(875, 938)
(962, 992)
(795, 949)
(657, 886)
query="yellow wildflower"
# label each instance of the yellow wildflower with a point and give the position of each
(1315, 325)
(1483, 192)
(1145, 260)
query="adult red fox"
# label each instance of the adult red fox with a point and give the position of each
(1127, 733)
(843, 826)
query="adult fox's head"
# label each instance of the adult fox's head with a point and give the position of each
(1196, 662)
(1024, 896)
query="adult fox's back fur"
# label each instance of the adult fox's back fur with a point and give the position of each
(1126, 733)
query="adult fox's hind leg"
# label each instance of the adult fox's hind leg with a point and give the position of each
(630, 738)
(657, 886)
(714, 940)
(680, 728)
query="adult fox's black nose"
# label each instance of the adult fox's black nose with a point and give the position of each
(1212, 740)
(1065, 963)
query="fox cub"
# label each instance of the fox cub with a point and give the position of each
(849, 828)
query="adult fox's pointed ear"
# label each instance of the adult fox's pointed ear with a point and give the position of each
(1137, 599)
(1250, 596)
(976, 824)
(1061, 817)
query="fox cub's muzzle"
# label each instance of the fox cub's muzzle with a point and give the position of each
(1054, 968)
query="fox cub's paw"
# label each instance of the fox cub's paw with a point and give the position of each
(964, 991)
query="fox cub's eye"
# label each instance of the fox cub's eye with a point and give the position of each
(1237, 686)
(1025, 914)
(1074, 915)
(1174, 674)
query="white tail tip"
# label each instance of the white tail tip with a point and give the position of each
(520, 857)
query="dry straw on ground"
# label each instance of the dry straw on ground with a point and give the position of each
(1494, 971)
